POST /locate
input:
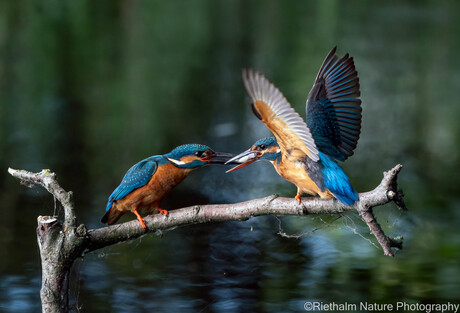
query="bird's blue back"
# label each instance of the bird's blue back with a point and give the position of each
(137, 176)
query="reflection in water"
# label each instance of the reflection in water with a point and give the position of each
(87, 89)
(19, 293)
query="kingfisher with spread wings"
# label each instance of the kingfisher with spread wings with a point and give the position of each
(306, 154)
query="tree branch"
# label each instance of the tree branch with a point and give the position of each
(47, 180)
(60, 244)
(382, 194)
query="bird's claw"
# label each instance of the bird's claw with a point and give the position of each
(164, 212)
(297, 197)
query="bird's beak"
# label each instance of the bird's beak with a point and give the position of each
(245, 158)
(218, 158)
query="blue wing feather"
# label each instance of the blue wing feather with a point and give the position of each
(334, 107)
(137, 176)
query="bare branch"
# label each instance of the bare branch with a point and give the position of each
(60, 244)
(48, 180)
(384, 193)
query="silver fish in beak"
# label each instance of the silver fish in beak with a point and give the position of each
(245, 158)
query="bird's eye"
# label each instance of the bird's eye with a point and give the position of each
(261, 147)
(199, 153)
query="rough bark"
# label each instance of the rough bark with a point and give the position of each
(60, 244)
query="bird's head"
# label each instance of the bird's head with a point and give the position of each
(263, 149)
(192, 156)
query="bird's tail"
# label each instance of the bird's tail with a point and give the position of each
(111, 216)
(337, 181)
(348, 198)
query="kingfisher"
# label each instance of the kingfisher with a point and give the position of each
(146, 183)
(306, 153)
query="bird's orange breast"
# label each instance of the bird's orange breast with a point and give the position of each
(147, 198)
(294, 171)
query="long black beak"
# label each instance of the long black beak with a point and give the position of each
(243, 159)
(218, 158)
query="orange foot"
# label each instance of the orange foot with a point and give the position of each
(297, 197)
(164, 212)
(140, 219)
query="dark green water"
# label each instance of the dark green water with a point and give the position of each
(89, 88)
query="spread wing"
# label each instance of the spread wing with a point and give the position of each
(270, 106)
(137, 176)
(334, 107)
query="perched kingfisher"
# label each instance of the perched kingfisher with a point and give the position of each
(147, 182)
(306, 154)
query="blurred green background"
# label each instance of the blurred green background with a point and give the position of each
(88, 88)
